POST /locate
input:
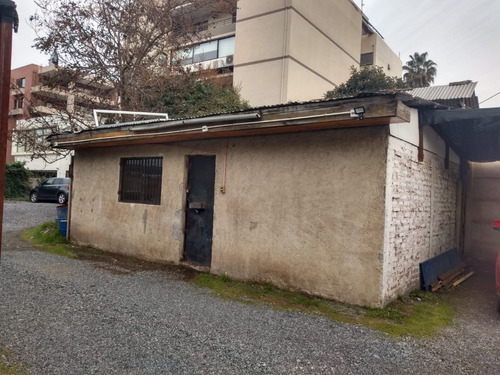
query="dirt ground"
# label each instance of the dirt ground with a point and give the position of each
(476, 296)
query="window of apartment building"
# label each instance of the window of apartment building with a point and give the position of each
(26, 140)
(140, 180)
(21, 82)
(18, 101)
(206, 51)
(366, 59)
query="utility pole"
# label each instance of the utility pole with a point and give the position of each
(8, 21)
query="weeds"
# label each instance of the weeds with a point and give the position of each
(8, 366)
(419, 315)
(49, 238)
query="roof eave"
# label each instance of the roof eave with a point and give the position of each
(296, 117)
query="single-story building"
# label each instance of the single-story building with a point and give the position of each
(337, 198)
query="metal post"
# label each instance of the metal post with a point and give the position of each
(8, 20)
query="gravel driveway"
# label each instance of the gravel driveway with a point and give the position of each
(64, 316)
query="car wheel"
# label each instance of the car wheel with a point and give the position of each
(61, 198)
(34, 197)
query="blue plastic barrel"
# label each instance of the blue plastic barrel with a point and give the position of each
(62, 219)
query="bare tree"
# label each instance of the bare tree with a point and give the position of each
(121, 41)
(110, 54)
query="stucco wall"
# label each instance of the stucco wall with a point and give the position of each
(383, 56)
(152, 232)
(421, 214)
(276, 35)
(304, 211)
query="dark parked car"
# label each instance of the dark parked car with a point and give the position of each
(54, 189)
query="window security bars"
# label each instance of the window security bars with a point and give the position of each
(140, 180)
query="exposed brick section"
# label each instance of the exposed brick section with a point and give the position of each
(421, 212)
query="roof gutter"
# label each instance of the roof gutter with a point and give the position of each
(203, 129)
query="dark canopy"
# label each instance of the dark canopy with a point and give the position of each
(473, 133)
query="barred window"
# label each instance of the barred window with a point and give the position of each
(140, 180)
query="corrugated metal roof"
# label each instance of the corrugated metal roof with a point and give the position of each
(248, 110)
(251, 109)
(456, 90)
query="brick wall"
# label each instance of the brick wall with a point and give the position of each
(421, 200)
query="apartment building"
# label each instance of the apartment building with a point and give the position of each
(40, 101)
(277, 51)
(22, 79)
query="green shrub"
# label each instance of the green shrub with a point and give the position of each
(16, 180)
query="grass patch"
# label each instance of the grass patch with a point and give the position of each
(48, 237)
(419, 315)
(8, 366)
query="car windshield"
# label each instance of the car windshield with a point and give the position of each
(50, 181)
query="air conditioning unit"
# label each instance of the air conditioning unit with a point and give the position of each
(229, 60)
(196, 67)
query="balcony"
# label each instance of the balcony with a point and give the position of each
(44, 110)
(207, 25)
(17, 91)
(16, 112)
(58, 93)
(65, 95)
(222, 26)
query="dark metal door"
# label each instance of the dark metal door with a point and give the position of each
(199, 210)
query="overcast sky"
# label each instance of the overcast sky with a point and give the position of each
(461, 36)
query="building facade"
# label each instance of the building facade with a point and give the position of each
(22, 79)
(279, 51)
(40, 102)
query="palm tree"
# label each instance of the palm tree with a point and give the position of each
(420, 72)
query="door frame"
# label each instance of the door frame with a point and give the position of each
(193, 211)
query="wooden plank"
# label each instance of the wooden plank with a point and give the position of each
(432, 268)
(436, 286)
(463, 278)
(452, 277)
(457, 269)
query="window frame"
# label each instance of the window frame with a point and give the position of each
(141, 180)
(19, 102)
(188, 56)
(21, 82)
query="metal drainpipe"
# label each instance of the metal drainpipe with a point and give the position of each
(8, 20)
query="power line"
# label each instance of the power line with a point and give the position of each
(489, 98)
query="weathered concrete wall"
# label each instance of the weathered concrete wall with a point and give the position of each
(304, 211)
(153, 232)
(421, 212)
(483, 207)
